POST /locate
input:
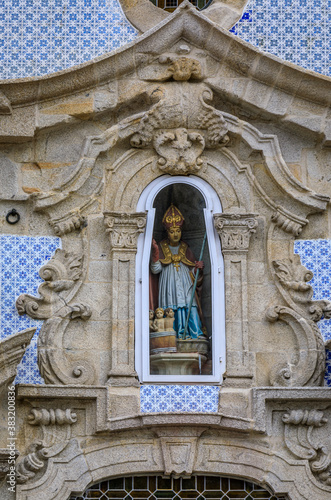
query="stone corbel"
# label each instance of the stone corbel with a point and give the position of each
(300, 439)
(123, 229)
(56, 433)
(235, 230)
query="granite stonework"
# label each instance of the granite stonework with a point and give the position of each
(81, 153)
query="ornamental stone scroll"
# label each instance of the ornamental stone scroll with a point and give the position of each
(235, 230)
(123, 229)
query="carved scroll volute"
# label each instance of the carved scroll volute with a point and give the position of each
(301, 425)
(235, 231)
(124, 230)
(55, 425)
(292, 280)
(62, 277)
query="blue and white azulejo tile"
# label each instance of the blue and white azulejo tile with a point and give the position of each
(179, 399)
(315, 255)
(21, 257)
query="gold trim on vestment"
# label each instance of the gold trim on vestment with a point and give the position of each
(169, 257)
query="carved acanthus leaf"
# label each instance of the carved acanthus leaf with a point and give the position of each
(235, 230)
(54, 440)
(293, 278)
(124, 229)
(300, 440)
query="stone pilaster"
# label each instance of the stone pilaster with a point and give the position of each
(235, 231)
(123, 229)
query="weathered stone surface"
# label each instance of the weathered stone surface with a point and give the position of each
(78, 152)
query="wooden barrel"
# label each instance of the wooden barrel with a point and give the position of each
(162, 342)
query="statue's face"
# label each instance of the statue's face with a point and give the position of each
(174, 235)
(159, 314)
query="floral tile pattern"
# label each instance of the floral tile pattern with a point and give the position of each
(44, 36)
(179, 399)
(21, 257)
(316, 256)
(295, 30)
(38, 37)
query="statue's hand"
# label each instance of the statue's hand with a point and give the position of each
(155, 251)
(199, 264)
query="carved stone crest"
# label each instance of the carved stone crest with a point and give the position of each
(181, 123)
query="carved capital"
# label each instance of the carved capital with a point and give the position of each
(235, 231)
(124, 229)
(300, 439)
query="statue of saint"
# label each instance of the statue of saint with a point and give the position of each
(175, 264)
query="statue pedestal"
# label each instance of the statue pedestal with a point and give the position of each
(199, 346)
(177, 363)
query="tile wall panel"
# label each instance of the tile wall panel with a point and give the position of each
(21, 257)
(316, 256)
(179, 398)
(43, 36)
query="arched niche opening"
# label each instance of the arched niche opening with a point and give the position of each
(190, 347)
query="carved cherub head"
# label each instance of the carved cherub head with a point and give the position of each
(159, 312)
(151, 314)
(169, 313)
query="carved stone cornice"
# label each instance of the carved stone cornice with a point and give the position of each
(124, 229)
(235, 231)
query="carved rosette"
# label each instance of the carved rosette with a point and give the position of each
(300, 439)
(124, 229)
(235, 231)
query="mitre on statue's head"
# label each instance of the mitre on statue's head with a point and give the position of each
(172, 218)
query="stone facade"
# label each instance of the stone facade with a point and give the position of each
(185, 99)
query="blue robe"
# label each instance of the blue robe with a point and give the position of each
(175, 290)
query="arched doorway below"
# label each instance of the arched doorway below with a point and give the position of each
(194, 488)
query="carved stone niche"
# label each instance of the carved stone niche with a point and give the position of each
(235, 231)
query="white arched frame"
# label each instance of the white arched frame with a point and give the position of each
(213, 205)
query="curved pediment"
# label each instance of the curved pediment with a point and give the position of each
(259, 84)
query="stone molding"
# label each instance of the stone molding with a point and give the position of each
(263, 75)
(235, 231)
(124, 229)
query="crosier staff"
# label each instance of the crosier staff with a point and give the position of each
(194, 286)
